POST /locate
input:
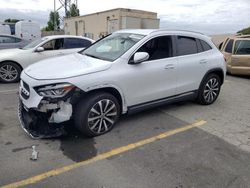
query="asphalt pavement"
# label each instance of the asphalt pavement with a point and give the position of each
(149, 149)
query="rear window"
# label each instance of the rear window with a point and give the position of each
(242, 47)
(76, 43)
(186, 45)
(229, 46)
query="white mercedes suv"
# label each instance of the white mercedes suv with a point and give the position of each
(127, 71)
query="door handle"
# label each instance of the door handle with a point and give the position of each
(203, 61)
(169, 66)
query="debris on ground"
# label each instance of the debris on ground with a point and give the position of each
(34, 154)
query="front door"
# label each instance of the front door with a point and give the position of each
(153, 79)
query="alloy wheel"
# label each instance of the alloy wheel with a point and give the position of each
(8, 73)
(211, 90)
(102, 116)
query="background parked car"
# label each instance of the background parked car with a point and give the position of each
(13, 61)
(237, 53)
(9, 41)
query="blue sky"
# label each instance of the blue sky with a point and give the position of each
(207, 16)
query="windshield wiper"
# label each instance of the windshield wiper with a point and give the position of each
(92, 56)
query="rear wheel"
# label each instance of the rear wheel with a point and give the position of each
(9, 72)
(209, 89)
(97, 114)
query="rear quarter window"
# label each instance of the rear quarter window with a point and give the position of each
(205, 45)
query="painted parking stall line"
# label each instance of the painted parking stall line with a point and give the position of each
(103, 156)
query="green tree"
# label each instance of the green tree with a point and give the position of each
(53, 22)
(245, 31)
(74, 11)
(11, 20)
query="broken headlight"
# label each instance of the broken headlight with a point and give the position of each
(55, 90)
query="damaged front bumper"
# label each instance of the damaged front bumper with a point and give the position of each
(43, 117)
(36, 123)
(43, 124)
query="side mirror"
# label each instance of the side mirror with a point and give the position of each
(39, 49)
(139, 57)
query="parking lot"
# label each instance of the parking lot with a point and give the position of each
(177, 146)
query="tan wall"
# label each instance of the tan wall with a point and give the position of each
(94, 23)
(102, 23)
(48, 33)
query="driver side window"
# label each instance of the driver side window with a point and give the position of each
(158, 48)
(55, 44)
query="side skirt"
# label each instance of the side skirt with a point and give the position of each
(177, 98)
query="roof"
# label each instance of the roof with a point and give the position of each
(66, 36)
(137, 31)
(149, 31)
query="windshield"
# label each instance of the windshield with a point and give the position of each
(113, 46)
(33, 43)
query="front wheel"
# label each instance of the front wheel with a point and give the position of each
(209, 89)
(9, 72)
(97, 114)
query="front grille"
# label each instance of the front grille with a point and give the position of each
(25, 90)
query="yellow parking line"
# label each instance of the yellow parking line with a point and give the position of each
(102, 156)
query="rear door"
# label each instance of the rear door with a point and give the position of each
(192, 63)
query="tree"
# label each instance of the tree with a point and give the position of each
(245, 31)
(11, 20)
(51, 24)
(74, 11)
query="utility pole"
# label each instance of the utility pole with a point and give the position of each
(63, 4)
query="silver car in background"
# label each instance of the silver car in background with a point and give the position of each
(10, 41)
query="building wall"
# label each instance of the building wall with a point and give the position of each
(102, 23)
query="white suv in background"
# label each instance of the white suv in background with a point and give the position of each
(125, 72)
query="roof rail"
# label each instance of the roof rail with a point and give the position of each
(179, 30)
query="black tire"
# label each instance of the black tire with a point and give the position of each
(9, 72)
(209, 89)
(86, 115)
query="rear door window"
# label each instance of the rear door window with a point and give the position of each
(186, 45)
(242, 47)
(229, 46)
(76, 43)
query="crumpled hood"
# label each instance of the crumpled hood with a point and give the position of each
(66, 66)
